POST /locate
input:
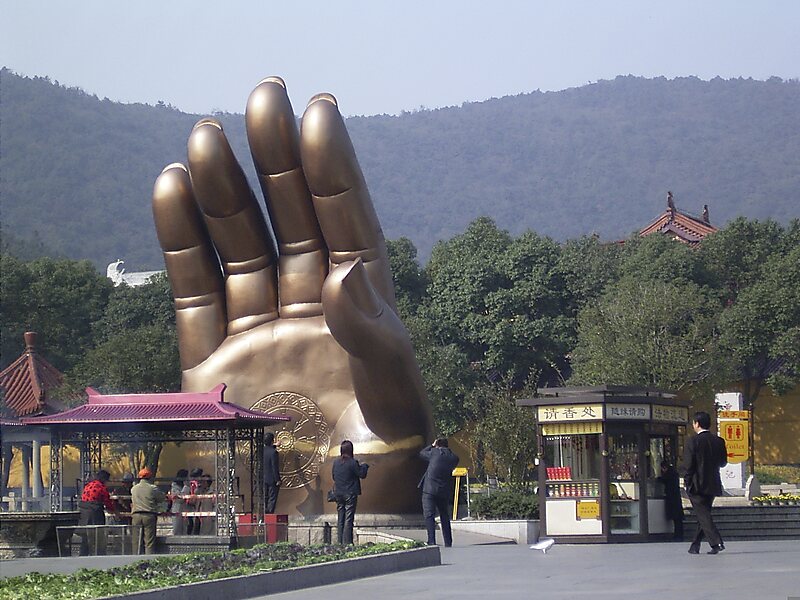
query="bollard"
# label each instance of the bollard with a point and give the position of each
(327, 533)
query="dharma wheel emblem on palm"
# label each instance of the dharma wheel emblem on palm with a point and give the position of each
(302, 442)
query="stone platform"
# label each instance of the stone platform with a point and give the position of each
(32, 534)
(743, 522)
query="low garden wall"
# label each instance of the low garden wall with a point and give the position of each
(274, 582)
(521, 531)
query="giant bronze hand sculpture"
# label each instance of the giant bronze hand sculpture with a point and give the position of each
(309, 331)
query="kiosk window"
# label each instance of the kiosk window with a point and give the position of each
(575, 461)
(623, 468)
(661, 449)
(623, 457)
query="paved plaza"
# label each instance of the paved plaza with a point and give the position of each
(746, 570)
(759, 570)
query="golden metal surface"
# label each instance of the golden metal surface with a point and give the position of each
(310, 329)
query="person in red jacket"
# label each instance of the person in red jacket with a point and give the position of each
(94, 499)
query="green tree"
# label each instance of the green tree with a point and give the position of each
(410, 284)
(760, 331)
(501, 301)
(649, 333)
(59, 299)
(133, 307)
(15, 281)
(506, 434)
(588, 267)
(660, 258)
(734, 256)
(448, 377)
(136, 348)
(139, 360)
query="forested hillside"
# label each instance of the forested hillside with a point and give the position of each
(77, 171)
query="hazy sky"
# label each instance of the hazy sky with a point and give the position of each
(384, 57)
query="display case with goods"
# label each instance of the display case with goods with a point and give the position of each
(572, 485)
(623, 488)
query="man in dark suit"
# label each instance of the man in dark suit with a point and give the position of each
(272, 474)
(704, 456)
(436, 486)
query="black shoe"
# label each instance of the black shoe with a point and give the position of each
(694, 550)
(716, 549)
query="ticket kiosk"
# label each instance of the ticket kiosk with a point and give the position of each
(600, 454)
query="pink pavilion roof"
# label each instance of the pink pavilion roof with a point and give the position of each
(169, 408)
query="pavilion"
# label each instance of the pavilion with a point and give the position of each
(168, 417)
(26, 385)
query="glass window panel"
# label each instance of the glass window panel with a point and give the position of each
(579, 453)
(623, 457)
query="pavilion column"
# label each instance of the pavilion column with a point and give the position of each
(7, 455)
(26, 479)
(257, 501)
(56, 474)
(37, 473)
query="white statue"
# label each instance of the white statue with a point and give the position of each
(115, 271)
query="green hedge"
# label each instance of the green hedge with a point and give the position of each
(777, 474)
(506, 504)
(186, 568)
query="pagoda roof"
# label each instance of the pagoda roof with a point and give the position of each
(185, 410)
(25, 382)
(680, 225)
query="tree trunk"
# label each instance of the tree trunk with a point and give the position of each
(751, 389)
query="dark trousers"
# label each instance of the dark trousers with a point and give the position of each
(346, 511)
(271, 492)
(678, 520)
(144, 528)
(705, 524)
(193, 526)
(91, 541)
(432, 503)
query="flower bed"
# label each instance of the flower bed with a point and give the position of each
(169, 571)
(780, 500)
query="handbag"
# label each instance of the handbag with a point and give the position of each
(331, 496)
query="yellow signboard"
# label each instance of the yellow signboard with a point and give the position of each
(562, 413)
(735, 434)
(587, 509)
(572, 428)
(734, 414)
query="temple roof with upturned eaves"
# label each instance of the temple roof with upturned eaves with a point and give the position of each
(26, 382)
(680, 225)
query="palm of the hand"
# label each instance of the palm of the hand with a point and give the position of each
(294, 368)
(257, 323)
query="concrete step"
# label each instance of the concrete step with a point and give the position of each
(460, 538)
(752, 522)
